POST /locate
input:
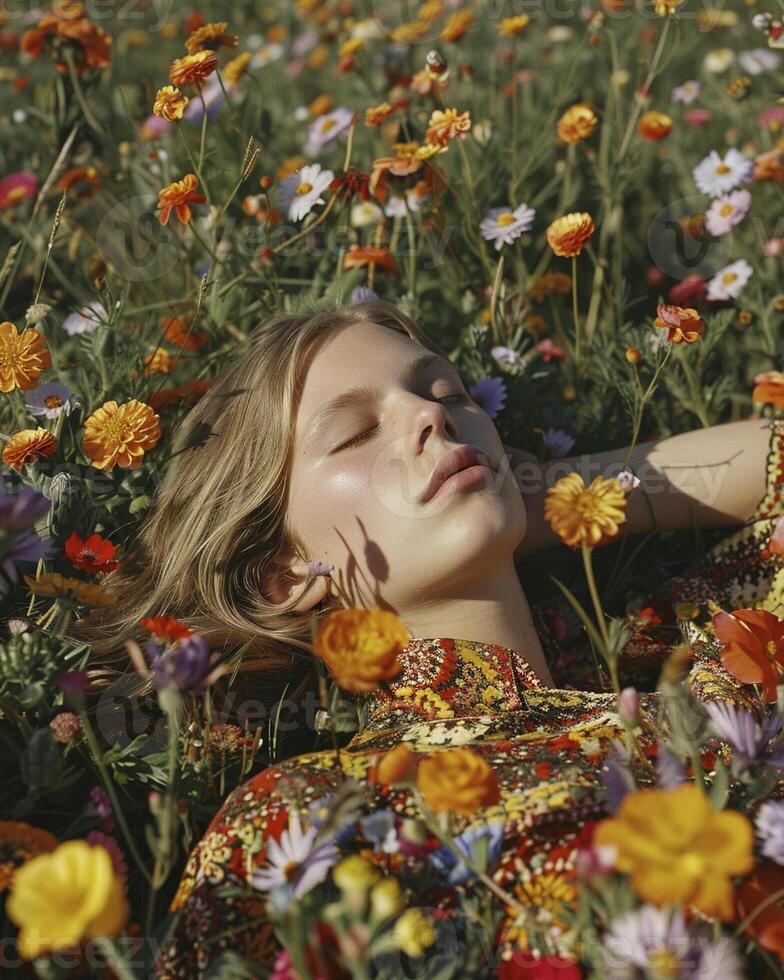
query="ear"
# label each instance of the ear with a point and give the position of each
(286, 578)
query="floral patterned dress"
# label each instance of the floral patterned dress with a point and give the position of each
(547, 746)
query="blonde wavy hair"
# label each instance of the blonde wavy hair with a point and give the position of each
(219, 519)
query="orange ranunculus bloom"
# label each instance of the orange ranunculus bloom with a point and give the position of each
(577, 123)
(193, 67)
(769, 166)
(404, 162)
(676, 848)
(19, 842)
(445, 125)
(767, 925)
(94, 554)
(169, 103)
(769, 388)
(27, 445)
(210, 37)
(752, 647)
(177, 330)
(91, 45)
(361, 646)
(23, 357)
(580, 515)
(396, 766)
(179, 195)
(165, 628)
(159, 361)
(654, 125)
(459, 780)
(456, 26)
(567, 235)
(119, 435)
(682, 323)
(359, 255)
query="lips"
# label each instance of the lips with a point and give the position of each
(454, 461)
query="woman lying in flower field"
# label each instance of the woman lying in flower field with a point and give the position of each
(341, 640)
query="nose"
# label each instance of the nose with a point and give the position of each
(431, 418)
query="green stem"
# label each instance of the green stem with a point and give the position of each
(115, 958)
(597, 606)
(575, 312)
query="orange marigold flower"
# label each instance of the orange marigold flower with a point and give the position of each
(90, 45)
(159, 361)
(682, 323)
(165, 628)
(119, 435)
(169, 103)
(23, 357)
(361, 646)
(88, 177)
(19, 842)
(359, 255)
(550, 282)
(377, 114)
(567, 235)
(577, 123)
(210, 37)
(179, 195)
(57, 586)
(633, 355)
(459, 780)
(396, 766)
(769, 166)
(654, 125)
(512, 26)
(446, 125)
(234, 70)
(95, 554)
(192, 68)
(769, 388)
(582, 515)
(177, 330)
(404, 162)
(752, 647)
(27, 445)
(457, 24)
(320, 105)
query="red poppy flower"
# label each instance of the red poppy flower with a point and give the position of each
(95, 554)
(165, 628)
(752, 647)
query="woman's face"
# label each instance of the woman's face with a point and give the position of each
(360, 472)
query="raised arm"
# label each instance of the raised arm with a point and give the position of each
(712, 477)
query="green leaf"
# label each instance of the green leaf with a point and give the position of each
(139, 504)
(592, 630)
(720, 785)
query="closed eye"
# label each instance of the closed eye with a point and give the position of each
(368, 432)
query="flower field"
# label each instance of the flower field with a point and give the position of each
(582, 205)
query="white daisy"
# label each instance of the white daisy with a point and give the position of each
(729, 281)
(687, 92)
(266, 54)
(325, 129)
(725, 212)
(365, 213)
(715, 175)
(502, 225)
(294, 861)
(718, 60)
(301, 191)
(758, 60)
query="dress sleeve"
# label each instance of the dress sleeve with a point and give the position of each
(216, 909)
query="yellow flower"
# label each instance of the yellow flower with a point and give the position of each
(582, 515)
(654, 125)
(665, 7)
(234, 70)
(512, 26)
(456, 26)
(193, 67)
(459, 780)
(677, 848)
(58, 586)
(355, 874)
(23, 356)
(19, 842)
(60, 898)
(398, 765)
(119, 435)
(170, 103)
(361, 647)
(414, 933)
(209, 37)
(567, 235)
(446, 125)
(577, 123)
(321, 105)
(386, 898)
(27, 445)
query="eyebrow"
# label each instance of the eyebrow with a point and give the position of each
(364, 395)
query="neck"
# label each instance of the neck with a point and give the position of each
(491, 610)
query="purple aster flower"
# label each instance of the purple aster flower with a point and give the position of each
(85, 320)
(557, 441)
(616, 776)
(749, 740)
(22, 509)
(214, 98)
(25, 546)
(380, 828)
(485, 839)
(670, 771)
(490, 394)
(100, 804)
(51, 400)
(184, 665)
(295, 863)
(362, 295)
(770, 829)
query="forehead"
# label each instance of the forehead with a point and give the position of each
(357, 354)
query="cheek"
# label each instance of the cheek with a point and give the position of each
(330, 498)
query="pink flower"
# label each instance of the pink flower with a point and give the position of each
(771, 116)
(696, 117)
(16, 188)
(690, 292)
(548, 350)
(114, 849)
(772, 246)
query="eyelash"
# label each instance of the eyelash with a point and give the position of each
(364, 435)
